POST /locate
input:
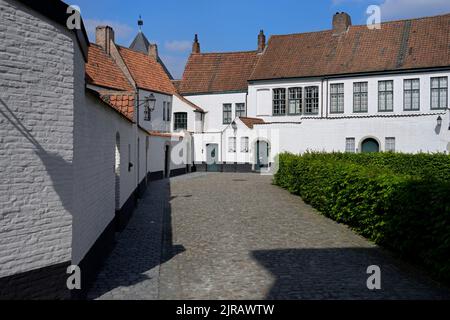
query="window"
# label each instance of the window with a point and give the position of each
(360, 97)
(168, 112)
(279, 102)
(232, 144)
(227, 113)
(295, 100)
(411, 94)
(439, 92)
(244, 145)
(337, 98)
(390, 145)
(180, 121)
(350, 145)
(164, 111)
(386, 95)
(312, 100)
(240, 110)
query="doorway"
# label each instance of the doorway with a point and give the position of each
(212, 157)
(166, 162)
(262, 154)
(370, 145)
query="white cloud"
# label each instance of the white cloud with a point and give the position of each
(401, 9)
(178, 45)
(122, 31)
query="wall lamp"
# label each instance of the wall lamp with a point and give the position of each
(439, 121)
(149, 106)
(234, 125)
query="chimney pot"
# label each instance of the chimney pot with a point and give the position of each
(104, 35)
(196, 45)
(261, 41)
(341, 22)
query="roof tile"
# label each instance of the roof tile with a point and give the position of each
(101, 70)
(148, 73)
(398, 45)
(217, 72)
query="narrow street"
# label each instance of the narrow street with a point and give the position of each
(236, 236)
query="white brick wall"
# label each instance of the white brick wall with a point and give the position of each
(96, 126)
(36, 150)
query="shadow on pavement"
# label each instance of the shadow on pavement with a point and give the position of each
(341, 274)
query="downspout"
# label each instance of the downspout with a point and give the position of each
(326, 112)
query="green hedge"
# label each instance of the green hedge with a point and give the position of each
(399, 201)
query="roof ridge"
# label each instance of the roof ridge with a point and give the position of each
(226, 52)
(361, 25)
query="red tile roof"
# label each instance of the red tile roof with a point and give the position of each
(250, 122)
(217, 72)
(147, 72)
(123, 103)
(101, 70)
(398, 45)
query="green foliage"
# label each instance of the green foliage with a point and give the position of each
(399, 201)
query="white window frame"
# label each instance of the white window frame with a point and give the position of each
(350, 145)
(232, 144)
(389, 145)
(245, 142)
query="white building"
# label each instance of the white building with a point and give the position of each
(77, 148)
(350, 89)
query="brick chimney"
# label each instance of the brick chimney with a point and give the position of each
(153, 51)
(341, 22)
(103, 37)
(261, 41)
(196, 45)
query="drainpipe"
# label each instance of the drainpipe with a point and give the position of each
(326, 97)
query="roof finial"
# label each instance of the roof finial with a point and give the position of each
(140, 23)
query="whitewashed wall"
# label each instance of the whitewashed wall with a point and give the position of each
(181, 106)
(212, 104)
(96, 125)
(157, 122)
(263, 107)
(36, 139)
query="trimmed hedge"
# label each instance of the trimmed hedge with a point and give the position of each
(399, 201)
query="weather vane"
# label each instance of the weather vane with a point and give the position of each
(140, 23)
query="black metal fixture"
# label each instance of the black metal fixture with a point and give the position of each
(234, 125)
(149, 106)
(439, 121)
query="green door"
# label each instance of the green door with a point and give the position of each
(212, 157)
(370, 145)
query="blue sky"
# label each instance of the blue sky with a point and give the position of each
(232, 25)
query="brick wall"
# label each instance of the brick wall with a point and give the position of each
(95, 131)
(36, 140)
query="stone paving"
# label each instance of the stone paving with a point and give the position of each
(236, 236)
(132, 270)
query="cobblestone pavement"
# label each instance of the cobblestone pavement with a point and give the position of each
(236, 236)
(131, 272)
